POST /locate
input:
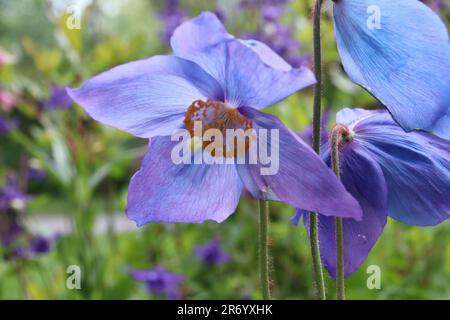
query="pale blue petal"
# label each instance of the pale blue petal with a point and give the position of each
(405, 63)
(162, 191)
(146, 97)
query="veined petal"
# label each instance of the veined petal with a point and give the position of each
(302, 179)
(364, 179)
(442, 127)
(162, 191)
(250, 74)
(198, 34)
(415, 165)
(146, 97)
(404, 61)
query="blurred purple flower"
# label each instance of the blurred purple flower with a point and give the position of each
(161, 281)
(36, 175)
(12, 200)
(40, 245)
(10, 228)
(11, 195)
(171, 15)
(58, 99)
(273, 33)
(211, 253)
(6, 125)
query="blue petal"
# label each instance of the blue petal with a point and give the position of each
(405, 64)
(415, 165)
(251, 74)
(147, 97)
(442, 128)
(363, 178)
(302, 180)
(162, 191)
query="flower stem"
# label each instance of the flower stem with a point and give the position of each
(317, 111)
(337, 134)
(264, 255)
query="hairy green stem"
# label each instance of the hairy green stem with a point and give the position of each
(317, 111)
(337, 134)
(264, 255)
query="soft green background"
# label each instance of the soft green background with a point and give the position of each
(89, 166)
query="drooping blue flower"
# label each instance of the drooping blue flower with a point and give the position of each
(161, 281)
(211, 253)
(400, 52)
(222, 82)
(390, 172)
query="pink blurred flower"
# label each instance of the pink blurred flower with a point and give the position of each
(6, 57)
(8, 100)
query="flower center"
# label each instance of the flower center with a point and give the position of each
(220, 116)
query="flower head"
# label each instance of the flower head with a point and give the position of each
(211, 253)
(221, 83)
(161, 281)
(390, 172)
(400, 52)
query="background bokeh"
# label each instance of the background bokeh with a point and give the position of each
(64, 177)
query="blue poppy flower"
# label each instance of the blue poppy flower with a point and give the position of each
(210, 71)
(390, 172)
(161, 281)
(400, 52)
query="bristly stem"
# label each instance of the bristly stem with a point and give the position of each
(338, 133)
(264, 255)
(317, 111)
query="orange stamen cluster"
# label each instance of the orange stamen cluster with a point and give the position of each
(216, 115)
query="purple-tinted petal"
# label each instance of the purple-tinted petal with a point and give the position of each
(364, 179)
(442, 128)
(147, 97)
(415, 165)
(267, 55)
(162, 191)
(198, 34)
(302, 180)
(251, 74)
(405, 62)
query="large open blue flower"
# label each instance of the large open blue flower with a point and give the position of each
(210, 69)
(400, 52)
(390, 172)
